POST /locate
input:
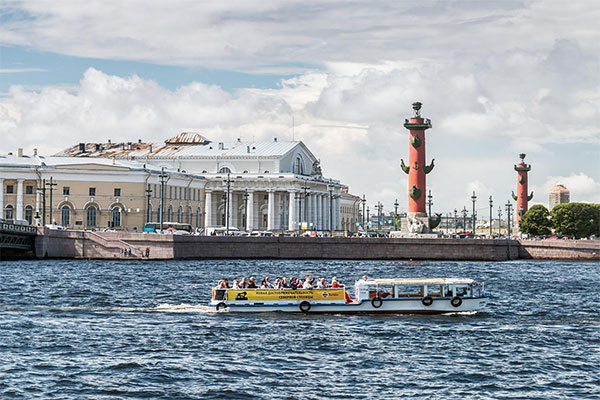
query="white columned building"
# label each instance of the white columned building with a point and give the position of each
(20, 198)
(274, 173)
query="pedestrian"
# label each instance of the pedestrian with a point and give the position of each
(147, 251)
(129, 252)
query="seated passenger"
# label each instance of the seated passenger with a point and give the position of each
(251, 284)
(236, 284)
(243, 283)
(307, 284)
(321, 283)
(220, 284)
(285, 283)
(268, 284)
(225, 284)
(278, 284)
(263, 285)
(334, 283)
(293, 283)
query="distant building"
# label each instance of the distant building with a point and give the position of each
(349, 210)
(559, 195)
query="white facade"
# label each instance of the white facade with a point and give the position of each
(273, 185)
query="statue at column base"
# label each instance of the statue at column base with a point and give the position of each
(415, 225)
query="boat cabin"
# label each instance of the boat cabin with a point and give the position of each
(417, 288)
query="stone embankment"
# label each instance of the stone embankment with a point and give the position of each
(109, 245)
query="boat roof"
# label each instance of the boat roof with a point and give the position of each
(417, 281)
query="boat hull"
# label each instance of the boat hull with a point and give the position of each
(388, 306)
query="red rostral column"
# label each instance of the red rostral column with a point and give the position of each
(417, 166)
(522, 198)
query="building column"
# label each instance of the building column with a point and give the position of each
(1, 197)
(207, 208)
(229, 208)
(19, 199)
(318, 212)
(324, 200)
(271, 210)
(338, 215)
(37, 201)
(250, 211)
(292, 211)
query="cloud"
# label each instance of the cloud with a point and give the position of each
(20, 70)
(583, 188)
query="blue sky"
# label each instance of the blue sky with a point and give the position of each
(497, 78)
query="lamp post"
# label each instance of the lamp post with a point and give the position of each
(298, 198)
(379, 207)
(227, 182)
(455, 219)
(364, 201)
(51, 185)
(396, 213)
(163, 179)
(368, 216)
(42, 190)
(148, 195)
(429, 201)
(306, 194)
(245, 196)
(491, 217)
(508, 214)
(474, 199)
(499, 220)
(465, 212)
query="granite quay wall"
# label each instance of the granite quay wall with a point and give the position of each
(108, 245)
(560, 249)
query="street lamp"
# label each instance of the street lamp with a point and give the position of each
(368, 216)
(508, 215)
(379, 207)
(148, 194)
(42, 190)
(473, 199)
(455, 219)
(491, 217)
(298, 198)
(364, 201)
(499, 220)
(429, 201)
(306, 194)
(245, 196)
(163, 179)
(396, 214)
(227, 182)
(51, 185)
(465, 212)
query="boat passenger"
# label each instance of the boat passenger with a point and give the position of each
(236, 284)
(243, 283)
(278, 283)
(285, 283)
(334, 283)
(221, 284)
(251, 284)
(268, 284)
(307, 284)
(321, 283)
(263, 285)
(293, 283)
(364, 278)
(225, 283)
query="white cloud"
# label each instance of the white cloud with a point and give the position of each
(583, 188)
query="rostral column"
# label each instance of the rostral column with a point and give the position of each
(521, 197)
(417, 167)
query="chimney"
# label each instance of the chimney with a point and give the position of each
(20, 152)
(82, 147)
(108, 141)
(275, 139)
(139, 140)
(239, 140)
(34, 152)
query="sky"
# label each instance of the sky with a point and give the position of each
(496, 78)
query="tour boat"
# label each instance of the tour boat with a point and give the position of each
(401, 296)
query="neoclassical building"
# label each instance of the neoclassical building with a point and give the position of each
(92, 193)
(267, 185)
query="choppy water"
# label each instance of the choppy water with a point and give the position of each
(107, 330)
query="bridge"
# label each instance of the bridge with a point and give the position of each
(16, 239)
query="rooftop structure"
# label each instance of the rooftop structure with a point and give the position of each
(559, 194)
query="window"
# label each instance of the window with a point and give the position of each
(179, 215)
(155, 192)
(10, 189)
(117, 192)
(176, 193)
(198, 218)
(92, 216)
(225, 170)
(170, 192)
(92, 191)
(194, 194)
(29, 214)
(65, 216)
(67, 191)
(9, 212)
(180, 193)
(189, 218)
(116, 217)
(299, 166)
(170, 214)
(28, 189)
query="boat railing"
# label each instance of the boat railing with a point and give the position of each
(221, 293)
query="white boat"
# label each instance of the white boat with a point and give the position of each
(398, 296)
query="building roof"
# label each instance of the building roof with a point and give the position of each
(184, 145)
(559, 188)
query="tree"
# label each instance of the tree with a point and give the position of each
(535, 221)
(576, 219)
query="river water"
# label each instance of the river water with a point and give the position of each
(132, 330)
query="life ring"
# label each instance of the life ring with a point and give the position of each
(456, 301)
(427, 301)
(221, 305)
(376, 302)
(305, 306)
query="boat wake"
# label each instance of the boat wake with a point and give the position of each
(161, 308)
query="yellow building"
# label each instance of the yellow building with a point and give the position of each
(96, 193)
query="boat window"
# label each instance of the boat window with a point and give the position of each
(434, 290)
(383, 291)
(462, 291)
(409, 291)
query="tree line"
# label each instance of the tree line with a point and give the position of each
(575, 220)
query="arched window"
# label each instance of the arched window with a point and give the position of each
(179, 212)
(189, 216)
(29, 214)
(116, 217)
(198, 213)
(170, 214)
(65, 216)
(225, 170)
(92, 216)
(299, 166)
(9, 212)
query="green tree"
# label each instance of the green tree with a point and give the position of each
(535, 221)
(576, 219)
